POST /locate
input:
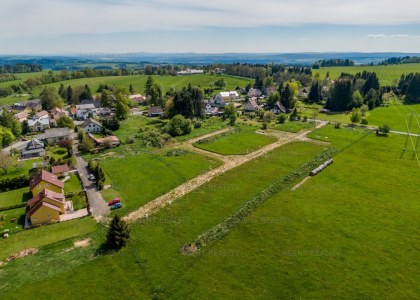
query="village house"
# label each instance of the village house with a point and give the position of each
(211, 111)
(138, 98)
(91, 125)
(96, 103)
(39, 125)
(108, 141)
(221, 98)
(254, 92)
(57, 113)
(45, 207)
(155, 111)
(61, 170)
(270, 89)
(251, 105)
(19, 107)
(33, 149)
(41, 115)
(21, 116)
(278, 108)
(55, 135)
(34, 105)
(45, 180)
(85, 111)
(190, 72)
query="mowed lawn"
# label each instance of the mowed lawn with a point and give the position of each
(388, 75)
(152, 265)
(41, 236)
(294, 127)
(140, 178)
(14, 197)
(242, 141)
(351, 232)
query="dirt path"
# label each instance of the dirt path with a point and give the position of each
(230, 162)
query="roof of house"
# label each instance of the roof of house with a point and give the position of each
(253, 103)
(42, 114)
(33, 103)
(56, 110)
(229, 94)
(137, 97)
(88, 122)
(45, 176)
(280, 107)
(41, 121)
(96, 103)
(33, 151)
(21, 115)
(34, 144)
(45, 193)
(111, 139)
(55, 132)
(85, 106)
(155, 110)
(18, 106)
(60, 169)
(40, 204)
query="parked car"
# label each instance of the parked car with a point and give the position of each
(91, 177)
(116, 205)
(114, 201)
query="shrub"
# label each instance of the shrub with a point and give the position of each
(178, 125)
(264, 126)
(305, 119)
(281, 118)
(197, 124)
(383, 130)
(176, 152)
(364, 121)
(337, 125)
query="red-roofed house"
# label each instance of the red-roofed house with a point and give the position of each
(45, 207)
(45, 180)
(62, 170)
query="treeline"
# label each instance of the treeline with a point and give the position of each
(20, 68)
(409, 86)
(333, 63)
(401, 60)
(8, 77)
(350, 91)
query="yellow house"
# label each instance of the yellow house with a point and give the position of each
(44, 213)
(45, 180)
(46, 207)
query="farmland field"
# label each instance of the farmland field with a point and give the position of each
(140, 178)
(388, 75)
(242, 141)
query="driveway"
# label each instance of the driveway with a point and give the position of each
(98, 207)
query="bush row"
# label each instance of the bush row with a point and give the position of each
(15, 183)
(13, 206)
(222, 229)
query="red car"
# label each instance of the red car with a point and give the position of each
(115, 201)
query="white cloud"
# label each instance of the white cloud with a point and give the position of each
(394, 36)
(29, 18)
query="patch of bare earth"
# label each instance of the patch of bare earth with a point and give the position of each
(20, 254)
(189, 249)
(82, 243)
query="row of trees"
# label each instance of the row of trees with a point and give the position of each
(20, 68)
(409, 86)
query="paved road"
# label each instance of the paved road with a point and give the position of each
(98, 207)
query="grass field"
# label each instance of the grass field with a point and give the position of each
(167, 82)
(242, 141)
(41, 236)
(293, 126)
(14, 197)
(388, 75)
(152, 265)
(394, 115)
(140, 178)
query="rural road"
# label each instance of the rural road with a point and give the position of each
(98, 207)
(229, 162)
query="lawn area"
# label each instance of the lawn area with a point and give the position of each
(207, 126)
(15, 197)
(41, 236)
(388, 75)
(130, 127)
(13, 220)
(22, 168)
(151, 266)
(242, 141)
(348, 233)
(293, 127)
(72, 185)
(140, 178)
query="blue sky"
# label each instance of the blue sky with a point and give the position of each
(89, 26)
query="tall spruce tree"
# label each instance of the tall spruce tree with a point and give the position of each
(118, 233)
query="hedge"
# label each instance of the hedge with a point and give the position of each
(15, 183)
(13, 206)
(222, 229)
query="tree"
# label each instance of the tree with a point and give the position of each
(25, 127)
(268, 81)
(156, 95)
(281, 118)
(355, 116)
(294, 116)
(287, 98)
(341, 95)
(383, 130)
(131, 89)
(314, 95)
(6, 136)
(268, 117)
(178, 126)
(372, 99)
(357, 99)
(69, 94)
(50, 99)
(230, 113)
(6, 162)
(107, 99)
(221, 83)
(122, 110)
(65, 121)
(118, 233)
(7, 120)
(87, 144)
(273, 98)
(148, 86)
(85, 94)
(413, 90)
